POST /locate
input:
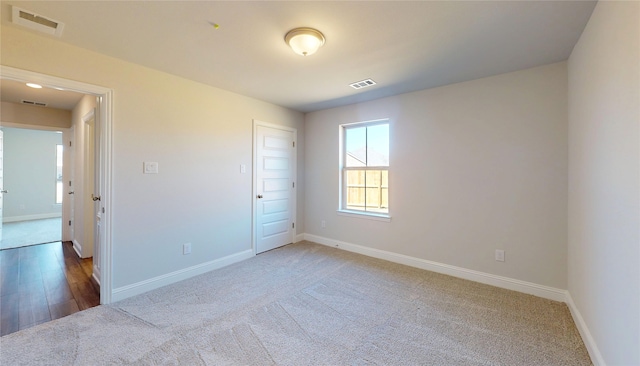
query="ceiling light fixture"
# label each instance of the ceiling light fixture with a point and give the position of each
(304, 41)
(34, 85)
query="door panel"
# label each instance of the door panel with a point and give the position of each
(274, 188)
(2, 191)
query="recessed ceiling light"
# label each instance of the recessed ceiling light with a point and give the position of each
(34, 85)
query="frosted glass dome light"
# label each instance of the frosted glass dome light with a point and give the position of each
(304, 41)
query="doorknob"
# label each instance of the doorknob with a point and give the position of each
(4, 191)
(259, 196)
(95, 198)
(71, 192)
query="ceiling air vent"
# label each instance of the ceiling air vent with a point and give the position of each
(36, 22)
(30, 102)
(362, 84)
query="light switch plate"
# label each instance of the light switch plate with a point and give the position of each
(150, 167)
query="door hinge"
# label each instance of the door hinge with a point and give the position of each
(69, 222)
(294, 144)
(103, 210)
(293, 225)
(69, 143)
(69, 183)
(294, 185)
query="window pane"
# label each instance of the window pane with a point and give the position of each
(59, 191)
(58, 173)
(376, 195)
(366, 147)
(366, 190)
(355, 189)
(356, 146)
(378, 145)
(59, 162)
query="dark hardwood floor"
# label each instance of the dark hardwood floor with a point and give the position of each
(40, 283)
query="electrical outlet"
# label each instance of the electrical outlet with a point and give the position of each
(500, 255)
(186, 248)
(243, 168)
(323, 223)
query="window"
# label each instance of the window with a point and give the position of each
(365, 168)
(59, 174)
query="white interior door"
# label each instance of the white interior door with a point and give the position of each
(274, 188)
(71, 183)
(88, 204)
(68, 170)
(98, 184)
(2, 190)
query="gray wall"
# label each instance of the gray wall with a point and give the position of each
(604, 181)
(474, 167)
(198, 134)
(30, 174)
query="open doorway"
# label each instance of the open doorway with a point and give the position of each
(32, 187)
(101, 193)
(44, 278)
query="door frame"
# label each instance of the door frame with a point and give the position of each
(68, 167)
(104, 99)
(254, 180)
(88, 214)
(65, 137)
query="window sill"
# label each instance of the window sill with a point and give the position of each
(365, 215)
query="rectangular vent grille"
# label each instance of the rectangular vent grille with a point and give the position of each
(362, 84)
(40, 20)
(36, 22)
(30, 102)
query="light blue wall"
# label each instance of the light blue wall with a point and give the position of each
(30, 174)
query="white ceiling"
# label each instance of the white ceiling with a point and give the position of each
(403, 45)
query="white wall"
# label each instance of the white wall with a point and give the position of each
(30, 174)
(198, 134)
(604, 181)
(474, 167)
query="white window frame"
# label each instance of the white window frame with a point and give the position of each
(59, 154)
(342, 205)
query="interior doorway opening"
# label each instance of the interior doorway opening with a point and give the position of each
(102, 150)
(31, 179)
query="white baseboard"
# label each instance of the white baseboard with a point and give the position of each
(96, 276)
(77, 247)
(587, 338)
(468, 274)
(124, 292)
(297, 238)
(31, 217)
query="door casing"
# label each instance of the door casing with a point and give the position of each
(104, 112)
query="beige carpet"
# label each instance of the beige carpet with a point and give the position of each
(307, 304)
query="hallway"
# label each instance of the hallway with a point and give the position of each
(40, 283)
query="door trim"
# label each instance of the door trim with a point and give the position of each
(105, 113)
(254, 183)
